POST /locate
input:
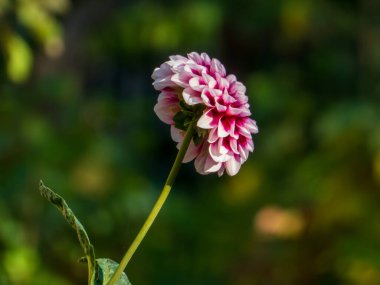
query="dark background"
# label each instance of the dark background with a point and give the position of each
(76, 110)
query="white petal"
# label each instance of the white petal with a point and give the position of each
(222, 131)
(206, 58)
(221, 170)
(213, 135)
(199, 163)
(233, 145)
(252, 126)
(232, 166)
(162, 83)
(243, 153)
(176, 134)
(205, 120)
(211, 165)
(191, 152)
(216, 66)
(191, 97)
(162, 71)
(195, 57)
(216, 153)
(166, 108)
(244, 131)
(210, 81)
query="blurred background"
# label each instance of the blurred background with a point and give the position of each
(76, 110)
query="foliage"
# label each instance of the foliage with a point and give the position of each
(100, 270)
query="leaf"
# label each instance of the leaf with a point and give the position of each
(104, 271)
(69, 216)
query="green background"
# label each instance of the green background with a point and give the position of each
(76, 110)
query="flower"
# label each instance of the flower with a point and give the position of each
(198, 88)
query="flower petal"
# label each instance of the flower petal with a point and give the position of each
(218, 154)
(167, 106)
(213, 135)
(191, 152)
(217, 67)
(232, 166)
(211, 165)
(176, 134)
(191, 97)
(207, 120)
(196, 84)
(223, 127)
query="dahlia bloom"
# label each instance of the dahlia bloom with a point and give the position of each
(198, 88)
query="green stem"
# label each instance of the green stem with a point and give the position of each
(157, 207)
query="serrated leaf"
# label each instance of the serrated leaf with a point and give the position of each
(104, 271)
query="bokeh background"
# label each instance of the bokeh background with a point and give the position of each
(76, 110)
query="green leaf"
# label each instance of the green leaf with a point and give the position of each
(104, 271)
(69, 216)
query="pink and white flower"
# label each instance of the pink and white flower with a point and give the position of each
(199, 86)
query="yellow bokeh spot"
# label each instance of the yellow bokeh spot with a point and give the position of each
(19, 60)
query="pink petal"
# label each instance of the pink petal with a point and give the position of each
(200, 161)
(195, 84)
(176, 134)
(211, 165)
(218, 154)
(223, 84)
(232, 166)
(191, 152)
(178, 58)
(221, 108)
(195, 57)
(233, 145)
(250, 145)
(243, 152)
(207, 120)
(213, 135)
(207, 98)
(195, 69)
(224, 127)
(240, 87)
(181, 79)
(231, 78)
(233, 111)
(206, 59)
(221, 170)
(244, 131)
(222, 146)
(167, 106)
(232, 128)
(214, 92)
(161, 72)
(210, 81)
(252, 126)
(217, 67)
(160, 84)
(227, 98)
(191, 97)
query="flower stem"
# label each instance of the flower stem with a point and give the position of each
(157, 207)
